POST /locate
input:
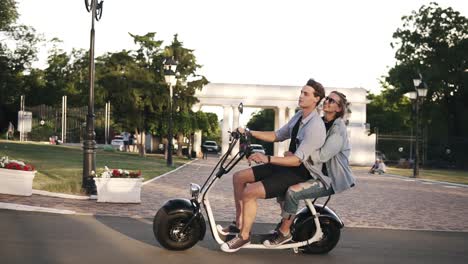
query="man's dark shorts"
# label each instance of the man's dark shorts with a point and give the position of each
(276, 179)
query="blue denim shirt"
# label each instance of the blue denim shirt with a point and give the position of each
(335, 153)
(310, 137)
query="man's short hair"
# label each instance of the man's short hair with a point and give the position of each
(318, 87)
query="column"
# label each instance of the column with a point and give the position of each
(235, 125)
(290, 113)
(275, 145)
(197, 135)
(280, 120)
(197, 142)
(225, 128)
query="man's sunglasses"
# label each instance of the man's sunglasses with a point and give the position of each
(330, 100)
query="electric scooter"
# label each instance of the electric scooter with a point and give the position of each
(179, 224)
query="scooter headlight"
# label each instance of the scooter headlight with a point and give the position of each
(194, 190)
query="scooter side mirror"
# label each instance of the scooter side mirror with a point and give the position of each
(241, 108)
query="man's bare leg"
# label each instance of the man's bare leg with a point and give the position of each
(251, 193)
(239, 182)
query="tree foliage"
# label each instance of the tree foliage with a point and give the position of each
(433, 41)
(132, 80)
(8, 14)
(263, 120)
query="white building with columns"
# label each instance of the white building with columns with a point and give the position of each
(284, 101)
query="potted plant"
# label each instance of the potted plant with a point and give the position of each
(119, 186)
(16, 177)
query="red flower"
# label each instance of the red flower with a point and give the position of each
(17, 166)
(115, 173)
(28, 167)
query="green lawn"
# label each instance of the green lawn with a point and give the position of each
(454, 176)
(60, 167)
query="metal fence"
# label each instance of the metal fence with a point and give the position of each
(400, 149)
(67, 124)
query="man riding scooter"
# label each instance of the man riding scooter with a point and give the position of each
(273, 177)
(333, 155)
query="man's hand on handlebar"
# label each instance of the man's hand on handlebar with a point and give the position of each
(241, 130)
(258, 158)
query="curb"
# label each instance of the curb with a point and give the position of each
(61, 195)
(20, 207)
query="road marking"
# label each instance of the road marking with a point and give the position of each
(428, 183)
(453, 187)
(143, 220)
(169, 172)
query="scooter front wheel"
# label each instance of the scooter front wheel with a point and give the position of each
(168, 230)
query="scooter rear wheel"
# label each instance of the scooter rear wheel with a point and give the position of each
(167, 230)
(331, 236)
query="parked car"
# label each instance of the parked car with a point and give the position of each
(257, 148)
(211, 146)
(117, 143)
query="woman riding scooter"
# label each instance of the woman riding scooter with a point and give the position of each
(275, 174)
(334, 156)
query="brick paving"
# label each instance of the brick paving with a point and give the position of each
(376, 201)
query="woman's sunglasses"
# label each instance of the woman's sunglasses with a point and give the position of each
(330, 100)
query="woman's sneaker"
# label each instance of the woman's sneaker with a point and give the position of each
(235, 244)
(228, 230)
(278, 239)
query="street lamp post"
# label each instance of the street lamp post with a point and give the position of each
(170, 66)
(417, 97)
(89, 145)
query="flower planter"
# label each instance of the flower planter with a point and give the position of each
(118, 190)
(16, 182)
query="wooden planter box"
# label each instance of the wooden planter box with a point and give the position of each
(118, 190)
(16, 182)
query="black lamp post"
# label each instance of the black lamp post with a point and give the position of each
(170, 66)
(89, 145)
(417, 97)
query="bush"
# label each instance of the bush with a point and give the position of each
(41, 133)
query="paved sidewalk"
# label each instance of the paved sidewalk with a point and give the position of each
(376, 201)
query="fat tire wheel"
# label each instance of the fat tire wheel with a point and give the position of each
(331, 236)
(166, 227)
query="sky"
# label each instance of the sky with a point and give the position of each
(340, 43)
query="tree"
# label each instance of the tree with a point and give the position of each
(15, 62)
(8, 14)
(264, 120)
(184, 91)
(15, 58)
(134, 82)
(433, 41)
(387, 112)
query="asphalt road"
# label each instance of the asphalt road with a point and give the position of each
(27, 237)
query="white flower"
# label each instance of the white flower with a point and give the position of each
(18, 162)
(4, 161)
